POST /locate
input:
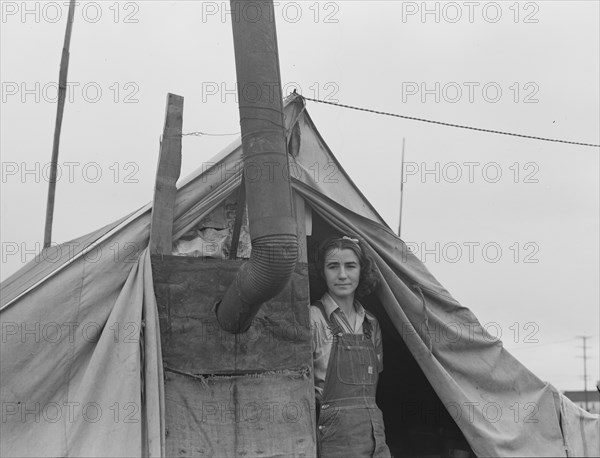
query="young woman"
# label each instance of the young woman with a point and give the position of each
(347, 354)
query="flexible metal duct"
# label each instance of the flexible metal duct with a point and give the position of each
(269, 198)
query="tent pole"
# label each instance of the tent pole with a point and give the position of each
(401, 187)
(62, 91)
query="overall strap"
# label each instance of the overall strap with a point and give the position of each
(333, 325)
(367, 327)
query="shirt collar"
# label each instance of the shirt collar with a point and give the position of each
(331, 306)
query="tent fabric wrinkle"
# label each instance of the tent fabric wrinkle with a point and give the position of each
(425, 319)
(72, 388)
(82, 369)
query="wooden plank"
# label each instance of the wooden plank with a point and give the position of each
(299, 209)
(167, 173)
(267, 416)
(187, 289)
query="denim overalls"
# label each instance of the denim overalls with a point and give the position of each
(350, 423)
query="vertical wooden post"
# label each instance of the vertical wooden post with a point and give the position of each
(60, 108)
(300, 212)
(167, 173)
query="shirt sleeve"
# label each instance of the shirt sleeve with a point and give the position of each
(319, 350)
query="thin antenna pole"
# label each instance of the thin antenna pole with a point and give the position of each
(401, 187)
(62, 91)
(585, 393)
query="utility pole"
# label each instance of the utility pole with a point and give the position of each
(60, 108)
(585, 358)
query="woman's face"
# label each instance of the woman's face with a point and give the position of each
(342, 272)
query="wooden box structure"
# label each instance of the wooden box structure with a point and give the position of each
(248, 394)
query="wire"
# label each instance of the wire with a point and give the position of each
(529, 347)
(447, 124)
(201, 134)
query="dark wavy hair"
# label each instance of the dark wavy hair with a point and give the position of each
(369, 277)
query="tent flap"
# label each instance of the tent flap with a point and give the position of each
(501, 407)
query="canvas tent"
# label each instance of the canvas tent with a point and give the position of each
(81, 364)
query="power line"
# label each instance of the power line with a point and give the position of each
(529, 347)
(458, 126)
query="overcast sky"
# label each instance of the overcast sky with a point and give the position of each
(509, 226)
